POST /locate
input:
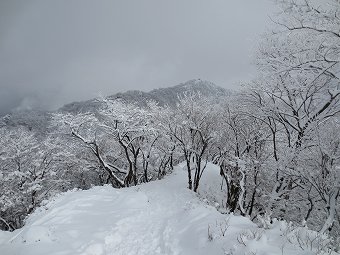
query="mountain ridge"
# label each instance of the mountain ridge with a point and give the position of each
(163, 96)
(38, 120)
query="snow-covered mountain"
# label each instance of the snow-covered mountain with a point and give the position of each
(161, 217)
(38, 120)
(163, 96)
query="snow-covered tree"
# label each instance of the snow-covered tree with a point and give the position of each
(29, 174)
(298, 98)
(190, 127)
(240, 151)
(120, 136)
(300, 62)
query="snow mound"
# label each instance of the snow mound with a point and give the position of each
(162, 217)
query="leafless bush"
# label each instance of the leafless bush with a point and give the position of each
(319, 244)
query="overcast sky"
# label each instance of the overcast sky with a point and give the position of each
(55, 52)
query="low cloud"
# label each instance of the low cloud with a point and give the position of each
(54, 52)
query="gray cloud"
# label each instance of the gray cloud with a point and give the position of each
(54, 52)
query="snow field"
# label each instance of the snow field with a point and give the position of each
(162, 217)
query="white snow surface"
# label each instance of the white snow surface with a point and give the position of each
(161, 217)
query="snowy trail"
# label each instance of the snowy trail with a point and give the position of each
(156, 218)
(161, 217)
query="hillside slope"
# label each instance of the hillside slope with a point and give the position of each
(163, 96)
(162, 217)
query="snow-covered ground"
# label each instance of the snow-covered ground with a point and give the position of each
(162, 217)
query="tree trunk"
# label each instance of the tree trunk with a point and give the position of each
(331, 210)
(187, 158)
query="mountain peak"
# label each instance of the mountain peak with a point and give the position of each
(198, 84)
